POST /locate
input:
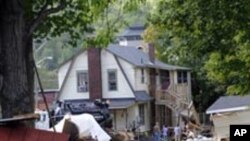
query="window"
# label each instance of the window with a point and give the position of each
(82, 81)
(112, 80)
(182, 77)
(142, 76)
(164, 79)
(142, 114)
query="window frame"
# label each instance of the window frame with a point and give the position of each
(143, 76)
(182, 77)
(77, 81)
(164, 79)
(142, 114)
(116, 79)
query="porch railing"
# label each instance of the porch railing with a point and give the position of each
(171, 98)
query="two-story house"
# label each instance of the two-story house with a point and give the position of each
(130, 77)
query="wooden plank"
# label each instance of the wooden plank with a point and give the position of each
(32, 135)
(4, 133)
(17, 134)
(29, 134)
(46, 136)
(61, 137)
(20, 118)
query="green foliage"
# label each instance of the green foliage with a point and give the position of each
(93, 21)
(211, 36)
(81, 23)
(48, 79)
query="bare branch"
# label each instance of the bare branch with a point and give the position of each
(44, 12)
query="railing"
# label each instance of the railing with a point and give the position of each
(171, 98)
(176, 98)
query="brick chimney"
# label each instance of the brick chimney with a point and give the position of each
(151, 52)
(95, 73)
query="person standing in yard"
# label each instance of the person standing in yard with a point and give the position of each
(156, 132)
(177, 133)
(165, 132)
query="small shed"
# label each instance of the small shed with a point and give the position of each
(229, 110)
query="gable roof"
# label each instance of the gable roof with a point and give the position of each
(229, 104)
(135, 57)
(140, 58)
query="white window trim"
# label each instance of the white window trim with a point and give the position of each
(82, 71)
(143, 77)
(116, 76)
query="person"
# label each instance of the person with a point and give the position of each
(165, 132)
(59, 111)
(177, 133)
(156, 132)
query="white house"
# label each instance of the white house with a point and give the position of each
(129, 77)
(226, 111)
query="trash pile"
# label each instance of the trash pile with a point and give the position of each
(86, 125)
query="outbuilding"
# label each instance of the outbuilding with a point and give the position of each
(226, 111)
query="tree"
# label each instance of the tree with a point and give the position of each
(23, 20)
(212, 37)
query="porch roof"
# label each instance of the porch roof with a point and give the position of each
(121, 103)
(142, 96)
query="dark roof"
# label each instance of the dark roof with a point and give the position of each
(229, 102)
(140, 58)
(135, 57)
(121, 103)
(142, 96)
(134, 30)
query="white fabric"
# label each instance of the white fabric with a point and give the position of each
(86, 124)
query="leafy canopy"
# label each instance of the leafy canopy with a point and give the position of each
(212, 37)
(89, 20)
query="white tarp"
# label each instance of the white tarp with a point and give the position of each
(86, 124)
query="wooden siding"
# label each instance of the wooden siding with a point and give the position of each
(123, 88)
(175, 93)
(29, 134)
(222, 122)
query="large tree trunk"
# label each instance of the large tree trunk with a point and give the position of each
(16, 67)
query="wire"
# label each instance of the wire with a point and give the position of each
(44, 98)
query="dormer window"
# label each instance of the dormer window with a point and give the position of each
(123, 41)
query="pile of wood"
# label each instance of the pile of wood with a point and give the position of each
(121, 135)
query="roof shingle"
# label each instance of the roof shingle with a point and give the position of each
(140, 58)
